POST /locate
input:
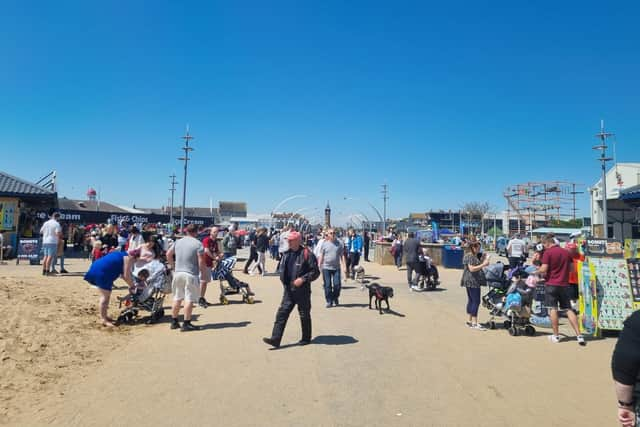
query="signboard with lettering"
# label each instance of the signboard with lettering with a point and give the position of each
(29, 249)
(604, 248)
(613, 293)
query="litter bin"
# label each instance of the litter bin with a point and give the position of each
(452, 256)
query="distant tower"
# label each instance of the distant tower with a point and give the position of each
(91, 194)
(327, 215)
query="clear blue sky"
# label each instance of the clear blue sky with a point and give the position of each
(446, 103)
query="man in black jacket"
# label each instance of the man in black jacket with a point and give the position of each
(411, 252)
(298, 268)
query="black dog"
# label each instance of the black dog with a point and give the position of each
(381, 293)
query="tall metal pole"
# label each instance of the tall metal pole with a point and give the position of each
(385, 198)
(186, 159)
(173, 190)
(603, 161)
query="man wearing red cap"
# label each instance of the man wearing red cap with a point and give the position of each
(298, 268)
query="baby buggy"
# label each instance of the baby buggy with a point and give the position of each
(152, 284)
(498, 286)
(224, 272)
(428, 278)
(518, 308)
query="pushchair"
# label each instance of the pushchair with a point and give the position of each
(224, 272)
(428, 277)
(148, 294)
(518, 308)
(498, 286)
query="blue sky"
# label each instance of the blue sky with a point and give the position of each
(446, 103)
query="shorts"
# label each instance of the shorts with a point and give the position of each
(555, 296)
(50, 249)
(206, 277)
(185, 286)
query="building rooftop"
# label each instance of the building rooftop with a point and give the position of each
(15, 187)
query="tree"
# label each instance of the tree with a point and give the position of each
(476, 210)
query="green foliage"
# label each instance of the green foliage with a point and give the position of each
(571, 223)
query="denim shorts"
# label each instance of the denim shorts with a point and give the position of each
(50, 249)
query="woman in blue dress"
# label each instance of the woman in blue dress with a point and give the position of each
(103, 272)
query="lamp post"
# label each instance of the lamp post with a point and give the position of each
(186, 159)
(603, 161)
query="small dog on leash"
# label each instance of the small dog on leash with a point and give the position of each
(380, 293)
(358, 275)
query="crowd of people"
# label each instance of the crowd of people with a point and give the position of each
(119, 250)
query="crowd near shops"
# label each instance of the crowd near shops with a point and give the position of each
(303, 255)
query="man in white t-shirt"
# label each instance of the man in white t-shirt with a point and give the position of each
(51, 233)
(516, 248)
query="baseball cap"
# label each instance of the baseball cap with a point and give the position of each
(293, 235)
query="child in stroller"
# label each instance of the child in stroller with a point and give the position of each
(152, 282)
(509, 297)
(428, 277)
(518, 303)
(224, 271)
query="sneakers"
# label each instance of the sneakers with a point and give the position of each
(581, 340)
(188, 326)
(478, 327)
(63, 271)
(271, 342)
(335, 303)
(203, 302)
(328, 305)
(469, 324)
(554, 338)
(175, 324)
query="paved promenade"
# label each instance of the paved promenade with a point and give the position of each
(416, 366)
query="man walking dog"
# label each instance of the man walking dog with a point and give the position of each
(298, 268)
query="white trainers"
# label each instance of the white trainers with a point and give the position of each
(554, 338)
(581, 340)
(478, 327)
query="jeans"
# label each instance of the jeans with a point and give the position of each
(473, 301)
(352, 260)
(332, 285)
(398, 259)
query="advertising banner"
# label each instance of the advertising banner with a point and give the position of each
(29, 249)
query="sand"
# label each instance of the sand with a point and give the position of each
(416, 366)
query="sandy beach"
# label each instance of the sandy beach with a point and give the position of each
(415, 366)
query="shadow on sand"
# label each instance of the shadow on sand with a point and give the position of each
(225, 325)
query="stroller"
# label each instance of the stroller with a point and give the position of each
(224, 271)
(494, 299)
(148, 294)
(428, 278)
(518, 306)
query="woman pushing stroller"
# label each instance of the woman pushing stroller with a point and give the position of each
(104, 271)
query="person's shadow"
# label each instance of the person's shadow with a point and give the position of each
(334, 340)
(225, 325)
(323, 339)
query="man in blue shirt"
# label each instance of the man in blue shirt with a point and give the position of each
(354, 249)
